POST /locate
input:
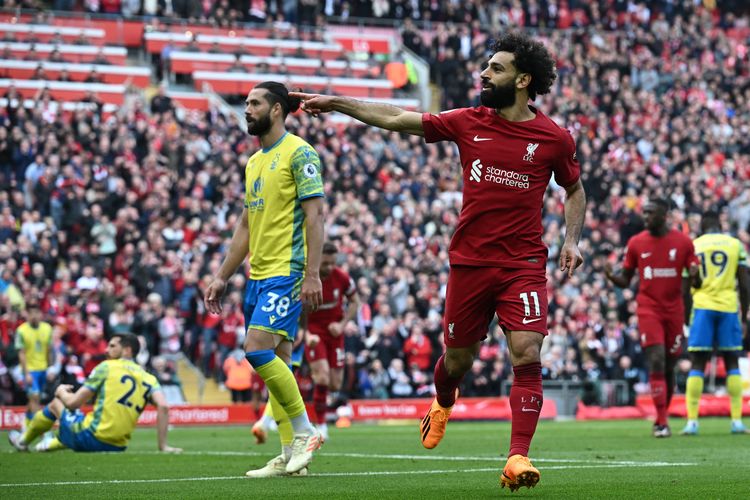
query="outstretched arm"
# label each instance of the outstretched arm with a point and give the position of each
(375, 114)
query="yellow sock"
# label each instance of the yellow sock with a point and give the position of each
(693, 392)
(55, 445)
(268, 410)
(282, 386)
(42, 422)
(734, 388)
(286, 434)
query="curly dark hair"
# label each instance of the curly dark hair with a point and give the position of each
(530, 56)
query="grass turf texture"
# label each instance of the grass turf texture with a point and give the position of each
(576, 459)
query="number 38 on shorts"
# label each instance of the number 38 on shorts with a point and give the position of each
(273, 305)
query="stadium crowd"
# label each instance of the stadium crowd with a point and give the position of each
(117, 222)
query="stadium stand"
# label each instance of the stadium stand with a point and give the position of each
(655, 109)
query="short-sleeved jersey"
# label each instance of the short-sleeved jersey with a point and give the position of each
(660, 262)
(335, 287)
(277, 180)
(506, 169)
(122, 390)
(720, 255)
(36, 343)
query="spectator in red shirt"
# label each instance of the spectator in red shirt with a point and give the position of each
(418, 349)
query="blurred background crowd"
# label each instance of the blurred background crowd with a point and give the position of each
(117, 223)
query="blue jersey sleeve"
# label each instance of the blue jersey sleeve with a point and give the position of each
(306, 171)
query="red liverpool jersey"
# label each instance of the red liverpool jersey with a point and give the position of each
(506, 169)
(335, 288)
(660, 262)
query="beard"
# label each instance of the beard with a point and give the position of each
(260, 126)
(499, 97)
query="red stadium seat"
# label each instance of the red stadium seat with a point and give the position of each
(120, 31)
(241, 83)
(70, 53)
(45, 33)
(156, 41)
(188, 62)
(139, 76)
(67, 91)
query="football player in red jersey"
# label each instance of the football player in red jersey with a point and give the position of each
(509, 151)
(660, 255)
(324, 332)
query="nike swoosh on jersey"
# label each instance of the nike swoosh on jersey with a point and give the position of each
(529, 409)
(479, 139)
(645, 255)
(526, 321)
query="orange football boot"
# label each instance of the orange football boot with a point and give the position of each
(432, 427)
(519, 472)
(260, 433)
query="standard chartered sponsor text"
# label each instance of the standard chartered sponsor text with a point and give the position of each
(509, 178)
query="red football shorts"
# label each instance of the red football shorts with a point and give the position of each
(329, 348)
(656, 330)
(476, 294)
(256, 383)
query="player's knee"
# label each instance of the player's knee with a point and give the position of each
(731, 361)
(260, 357)
(458, 362)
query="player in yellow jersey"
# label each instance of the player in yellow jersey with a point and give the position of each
(122, 389)
(716, 324)
(34, 345)
(282, 228)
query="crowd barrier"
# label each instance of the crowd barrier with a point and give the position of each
(412, 409)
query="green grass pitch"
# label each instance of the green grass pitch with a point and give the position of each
(577, 460)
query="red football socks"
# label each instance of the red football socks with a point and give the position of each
(320, 397)
(445, 385)
(525, 405)
(659, 395)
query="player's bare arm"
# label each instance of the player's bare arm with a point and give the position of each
(575, 210)
(312, 288)
(375, 114)
(622, 279)
(687, 298)
(24, 369)
(238, 249)
(73, 400)
(352, 307)
(696, 281)
(743, 281)
(162, 422)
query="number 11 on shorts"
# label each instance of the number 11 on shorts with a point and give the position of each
(527, 306)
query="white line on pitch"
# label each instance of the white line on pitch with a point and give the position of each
(428, 457)
(322, 474)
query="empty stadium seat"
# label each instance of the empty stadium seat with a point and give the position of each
(139, 76)
(188, 62)
(69, 53)
(44, 33)
(156, 41)
(241, 83)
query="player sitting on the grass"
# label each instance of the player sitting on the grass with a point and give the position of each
(121, 387)
(716, 324)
